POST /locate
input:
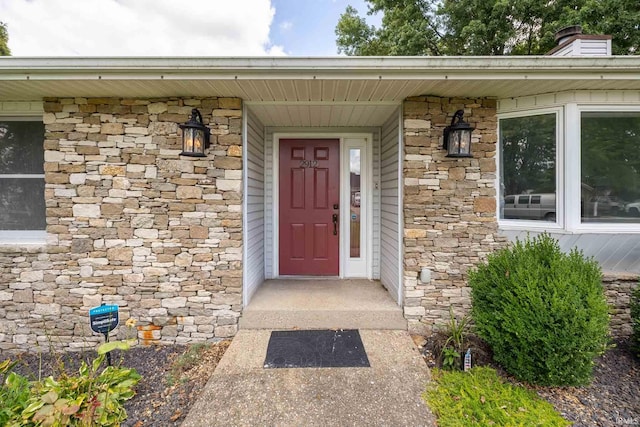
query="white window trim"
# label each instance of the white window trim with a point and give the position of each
(574, 170)
(535, 225)
(568, 177)
(20, 237)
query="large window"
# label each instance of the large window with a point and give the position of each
(574, 167)
(528, 167)
(22, 208)
(610, 166)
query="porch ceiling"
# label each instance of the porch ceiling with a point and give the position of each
(323, 114)
(318, 91)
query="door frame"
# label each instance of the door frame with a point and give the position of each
(367, 217)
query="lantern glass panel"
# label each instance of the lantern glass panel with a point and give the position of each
(459, 143)
(187, 138)
(454, 142)
(465, 141)
(198, 141)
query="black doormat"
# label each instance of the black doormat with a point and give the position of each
(316, 349)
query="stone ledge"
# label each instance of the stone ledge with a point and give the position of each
(22, 248)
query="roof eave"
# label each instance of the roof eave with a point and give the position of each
(254, 66)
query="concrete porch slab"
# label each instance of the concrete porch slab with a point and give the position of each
(322, 303)
(242, 393)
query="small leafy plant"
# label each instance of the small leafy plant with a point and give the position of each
(480, 398)
(92, 397)
(450, 359)
(14, 392)
(543, 312)
(455, 334)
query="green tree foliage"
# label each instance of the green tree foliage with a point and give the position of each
(543, 312)
(4, 40)
(409, 27)
(484, 27)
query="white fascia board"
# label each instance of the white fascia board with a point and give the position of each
(300, 68)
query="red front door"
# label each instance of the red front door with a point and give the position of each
(309, 198)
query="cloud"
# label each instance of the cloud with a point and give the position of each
(139, 27)
(354, 161)
(286, 26)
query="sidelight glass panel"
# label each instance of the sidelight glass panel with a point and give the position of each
(354, 214)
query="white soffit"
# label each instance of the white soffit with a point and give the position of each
(341, 79)
(323, 115)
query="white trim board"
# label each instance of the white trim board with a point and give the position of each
(342, 136)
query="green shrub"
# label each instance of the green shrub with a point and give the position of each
(14, 393)
(542, 311)
(635, 319)
(92, 397)
(480, 398)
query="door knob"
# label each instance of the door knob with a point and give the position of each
(335, 224)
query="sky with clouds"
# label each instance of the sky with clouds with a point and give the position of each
(174, 28)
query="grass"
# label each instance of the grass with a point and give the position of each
(480, 398)
(184, 362)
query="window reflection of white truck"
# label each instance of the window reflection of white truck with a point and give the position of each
(530, 206)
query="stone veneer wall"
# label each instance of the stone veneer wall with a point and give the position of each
(449, 207)
(618, 288)
(131, 222)
(450, 220)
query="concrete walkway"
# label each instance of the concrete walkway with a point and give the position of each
(242, 393)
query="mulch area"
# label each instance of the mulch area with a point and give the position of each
(612, 399)
(167, 389)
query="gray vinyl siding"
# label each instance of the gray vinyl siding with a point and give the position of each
(255, 218)
(616, 253)
(268, 204)
(390, 207)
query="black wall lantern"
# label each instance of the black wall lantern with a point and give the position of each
(195, 136)
(457, 137)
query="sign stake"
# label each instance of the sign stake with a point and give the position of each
(104, 319)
